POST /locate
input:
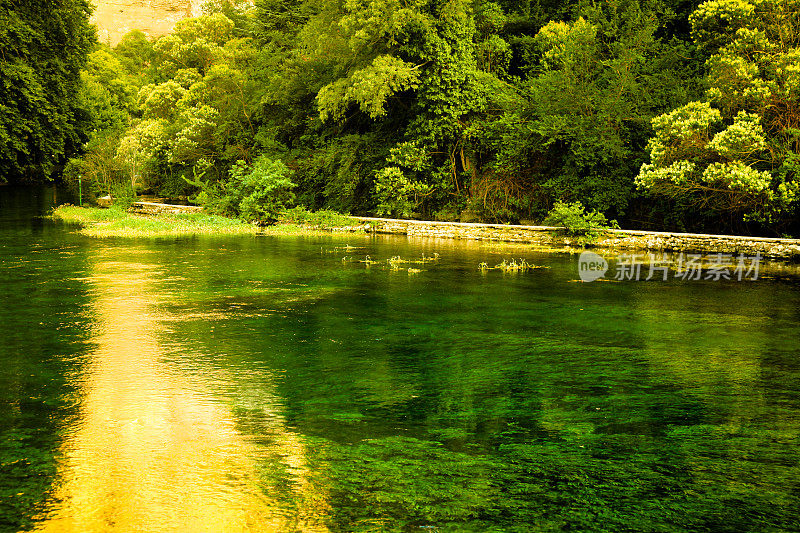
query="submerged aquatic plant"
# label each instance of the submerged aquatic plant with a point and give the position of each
(397, 260)
(394, 263)
(347, 248)
(510, 266)
(513, 266)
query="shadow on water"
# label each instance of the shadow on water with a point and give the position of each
(44, 339)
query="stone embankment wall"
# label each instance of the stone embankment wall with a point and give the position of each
(700, 243)
(622, 240)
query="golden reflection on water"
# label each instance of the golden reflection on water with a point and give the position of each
(152, 452)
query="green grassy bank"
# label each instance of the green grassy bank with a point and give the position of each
(116, 222)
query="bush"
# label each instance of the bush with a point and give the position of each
(122, 193)
(577, 221)
(398, 195)
(254, 193)
(323, 218)
(264, 189)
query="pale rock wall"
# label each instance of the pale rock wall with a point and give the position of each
(115, 18)
(614, 240)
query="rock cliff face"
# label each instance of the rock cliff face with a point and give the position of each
(115, 18)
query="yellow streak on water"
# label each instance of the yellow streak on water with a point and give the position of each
(153, 452)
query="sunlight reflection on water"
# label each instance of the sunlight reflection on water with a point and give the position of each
(151, 451)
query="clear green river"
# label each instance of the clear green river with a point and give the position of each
(259, 383)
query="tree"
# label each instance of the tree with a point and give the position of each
(575, 128)
(736, 153)
(106, 95)
(199, 107)
(135, 53)
(42, 51)
(425, 69)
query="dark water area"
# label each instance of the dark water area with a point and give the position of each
(263, 384)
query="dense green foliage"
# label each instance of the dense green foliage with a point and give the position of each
(737, 152)
(43, 48)
(461, 110)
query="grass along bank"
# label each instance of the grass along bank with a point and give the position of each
(116, 222)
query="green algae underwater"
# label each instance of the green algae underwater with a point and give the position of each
(260, 383)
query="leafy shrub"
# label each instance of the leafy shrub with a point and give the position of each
(398, 195)
(123, 194)
(577, 221)
(323, 218)
(255, 193)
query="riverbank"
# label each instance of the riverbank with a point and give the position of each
(145, 219)
(161, 220)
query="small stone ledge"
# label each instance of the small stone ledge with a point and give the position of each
(150, 208)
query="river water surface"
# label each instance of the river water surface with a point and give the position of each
(263, 384)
